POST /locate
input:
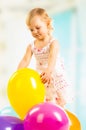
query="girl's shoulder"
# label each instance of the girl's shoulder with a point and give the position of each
(31, 44)
(54, 42)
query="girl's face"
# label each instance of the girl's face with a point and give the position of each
(38, 28)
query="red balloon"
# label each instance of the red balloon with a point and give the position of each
(46, 116)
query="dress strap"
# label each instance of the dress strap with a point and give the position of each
(32, 45)
(51, 40)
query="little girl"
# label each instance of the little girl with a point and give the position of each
(48, 61)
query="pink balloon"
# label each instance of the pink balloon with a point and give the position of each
(46, 116)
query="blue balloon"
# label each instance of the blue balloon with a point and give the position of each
(8, 111)
(11, 123)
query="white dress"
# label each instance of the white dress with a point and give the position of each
(58, 91)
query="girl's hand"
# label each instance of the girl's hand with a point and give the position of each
(45, 77)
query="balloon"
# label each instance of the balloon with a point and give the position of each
(25, 90)
(8, 111)
(46, 116)
(11, 123)
(74, 122)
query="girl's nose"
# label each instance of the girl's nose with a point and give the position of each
(35, 31)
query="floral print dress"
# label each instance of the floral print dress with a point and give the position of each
(58, 91)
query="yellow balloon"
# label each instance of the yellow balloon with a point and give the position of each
(74, 122)
(25, 90)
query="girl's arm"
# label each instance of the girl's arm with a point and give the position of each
(26, 58)
(46, 75)
(54, 50)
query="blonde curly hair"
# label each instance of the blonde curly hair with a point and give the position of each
(41, 13)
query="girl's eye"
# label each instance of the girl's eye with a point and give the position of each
(37, 27)
(31, 30)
